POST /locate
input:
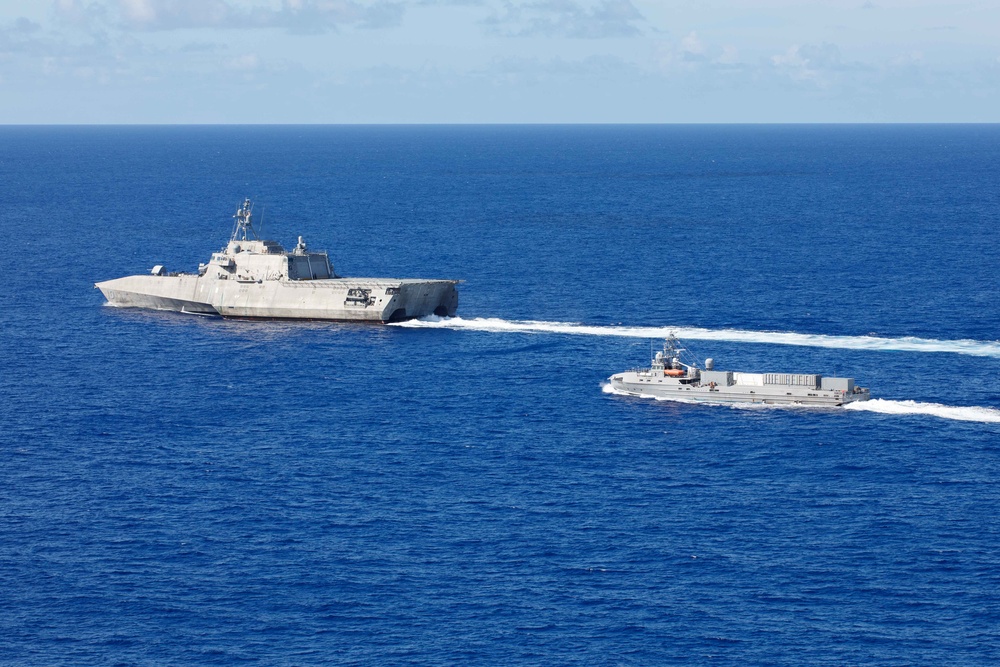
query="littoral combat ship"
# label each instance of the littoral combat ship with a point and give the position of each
(254, 278)
(669, 377)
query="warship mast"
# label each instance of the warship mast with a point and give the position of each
(244, 223)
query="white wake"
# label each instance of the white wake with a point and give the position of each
(905, 344)
(880, 405)
(965, 414)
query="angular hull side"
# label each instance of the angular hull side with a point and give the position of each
(176, 293)
(340, 299)
(630, 383)
(334, 299)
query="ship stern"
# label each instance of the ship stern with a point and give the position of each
(418, 299)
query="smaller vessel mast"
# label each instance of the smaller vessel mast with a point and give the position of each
(673, 354)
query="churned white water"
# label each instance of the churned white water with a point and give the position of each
(905, 344)
(959, 413)
(880, 405)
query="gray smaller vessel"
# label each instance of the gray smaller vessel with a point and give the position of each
(673, 376)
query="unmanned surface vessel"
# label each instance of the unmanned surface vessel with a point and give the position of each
(670, 377)
(254, 278)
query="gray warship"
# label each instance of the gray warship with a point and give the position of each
(672, 377)
(254, 278)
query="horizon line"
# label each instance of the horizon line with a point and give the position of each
(507, 124)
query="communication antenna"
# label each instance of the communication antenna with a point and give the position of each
(243, 228)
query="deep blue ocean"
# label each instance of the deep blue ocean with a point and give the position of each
(178, 490)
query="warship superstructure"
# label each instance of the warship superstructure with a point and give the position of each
(672, 377)
(255, 278)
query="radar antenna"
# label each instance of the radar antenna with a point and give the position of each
(243, 228)
(673, 353)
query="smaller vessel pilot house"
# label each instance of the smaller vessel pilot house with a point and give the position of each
(256, 278)
(670, 376)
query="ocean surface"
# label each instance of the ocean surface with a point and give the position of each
(179, 490)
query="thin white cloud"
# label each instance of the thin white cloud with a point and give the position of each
(818, 63)
(730, 56)
(25, 26)
(146, 54)
(692, 54)
(692, 49)
(79, 13)
(566, 18)
(19, 37)
(246, 62)
(299, 16)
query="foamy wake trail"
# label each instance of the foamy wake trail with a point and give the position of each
(968, 347)
(880, 405)
(966, 414)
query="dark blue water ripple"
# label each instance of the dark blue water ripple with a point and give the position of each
(192, 491)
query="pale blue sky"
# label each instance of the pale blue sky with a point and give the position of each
(498, 61)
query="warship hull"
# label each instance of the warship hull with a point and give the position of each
(255, 278)
(337, 299)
